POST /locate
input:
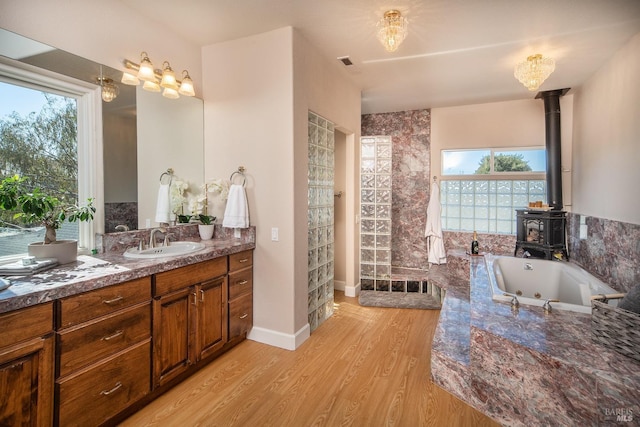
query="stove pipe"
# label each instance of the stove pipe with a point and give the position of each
(551, 100)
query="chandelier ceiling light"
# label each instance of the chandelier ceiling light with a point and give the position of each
(392, 30)
(534, 71)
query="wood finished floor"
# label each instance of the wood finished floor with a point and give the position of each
(364, 366)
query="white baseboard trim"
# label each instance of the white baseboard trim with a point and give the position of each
(352, 291)
(279, 339)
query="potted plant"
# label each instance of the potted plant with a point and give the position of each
(36, 207)
(206, 226)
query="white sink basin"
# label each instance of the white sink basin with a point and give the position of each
(174, 249)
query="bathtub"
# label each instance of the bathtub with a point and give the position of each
(536, 280)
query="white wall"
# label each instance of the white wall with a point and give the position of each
(606, 154)
(258, 91)
(500, 124)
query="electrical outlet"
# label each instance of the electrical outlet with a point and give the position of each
(274, 234)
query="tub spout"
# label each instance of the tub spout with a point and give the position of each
(526, 254)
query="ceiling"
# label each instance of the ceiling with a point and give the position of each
(457, 52)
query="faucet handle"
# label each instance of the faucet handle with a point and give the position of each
(141, 245)
(514, 300)
(166, 241)
(547, 307)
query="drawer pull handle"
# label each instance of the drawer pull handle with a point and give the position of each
(113, 390)
(244, 316)
(112, 301)
(243, 260)
(244, 282)
(114, 335)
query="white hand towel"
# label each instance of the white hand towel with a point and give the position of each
(163, 208)
(433, 229)
(236, 214)
(19, 269)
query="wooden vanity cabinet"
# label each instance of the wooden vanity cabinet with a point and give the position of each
(26, 366)
(189, 317)
(240, 293)
(103, 352)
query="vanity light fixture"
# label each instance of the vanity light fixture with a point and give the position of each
(168, 77)
(168, 84)
(534, 71)
(146, 71)
(392, 30)
(186, 87)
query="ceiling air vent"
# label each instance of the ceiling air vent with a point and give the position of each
(345, 60)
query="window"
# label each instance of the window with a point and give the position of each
(481, 189)
(54, 120)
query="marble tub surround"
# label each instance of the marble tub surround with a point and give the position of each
(498, 244)
(109, 268)
(609, 249)
(526, 367)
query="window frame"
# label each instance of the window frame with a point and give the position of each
(90, 157)
(491, 176)
(492, 173)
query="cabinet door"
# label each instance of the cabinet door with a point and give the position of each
(172, 334)
(26, 383)
(211, 330)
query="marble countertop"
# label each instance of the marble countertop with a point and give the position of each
(524, 365)
(109, 268)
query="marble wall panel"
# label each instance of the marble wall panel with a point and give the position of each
(411, 133)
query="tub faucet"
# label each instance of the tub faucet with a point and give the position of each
(514, 300)
(547, 307)
(152, 237)
(526, 254)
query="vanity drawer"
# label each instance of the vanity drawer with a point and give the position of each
(182, 277)
(240, 283)
(241, 260)
(89, 305)
(94, 395)
(26, 323)
(240, 315)
(90, 342)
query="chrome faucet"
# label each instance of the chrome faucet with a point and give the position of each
(526, 254)
(152, 237)
(547, 307)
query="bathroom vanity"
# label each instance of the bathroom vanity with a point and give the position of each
(91, 342)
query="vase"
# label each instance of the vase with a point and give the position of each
(65, 251)
(206, 231)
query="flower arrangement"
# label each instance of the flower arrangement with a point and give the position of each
(179, 198)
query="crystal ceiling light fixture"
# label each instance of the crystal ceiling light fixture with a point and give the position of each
(392, 30)
(109, 90)
(534, 71)
(157, 80)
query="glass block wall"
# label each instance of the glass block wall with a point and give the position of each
(375, 213)
(487, 206)
(320, 219)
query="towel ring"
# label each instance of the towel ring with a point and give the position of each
(240, 172)
(168, 173)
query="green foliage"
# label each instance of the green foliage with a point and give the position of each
(503, 163)
(206, 219)
(37, 207)
(43, 147)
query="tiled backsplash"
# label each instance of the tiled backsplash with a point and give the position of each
(610, 250)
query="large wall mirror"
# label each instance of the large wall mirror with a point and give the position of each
(144, 133)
